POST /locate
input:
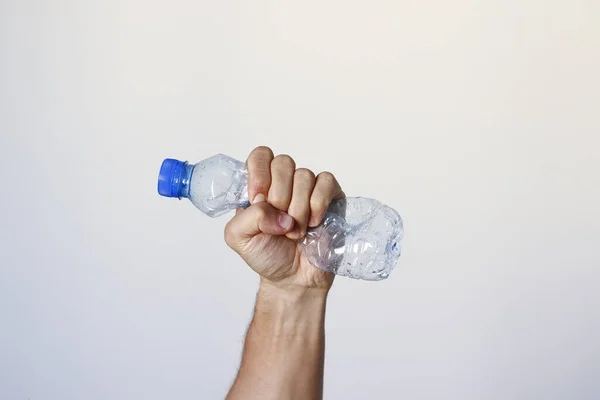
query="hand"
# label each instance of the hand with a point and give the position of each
(285, 202)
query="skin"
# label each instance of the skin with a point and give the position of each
(284, 348)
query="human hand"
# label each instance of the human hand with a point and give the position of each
(285, 202)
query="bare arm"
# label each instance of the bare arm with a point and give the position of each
(284, 347)
(283, 352)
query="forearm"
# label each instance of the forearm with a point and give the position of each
(284, 349)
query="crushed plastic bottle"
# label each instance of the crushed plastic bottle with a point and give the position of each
(358, 238)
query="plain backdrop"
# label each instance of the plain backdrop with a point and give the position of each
(479, 121)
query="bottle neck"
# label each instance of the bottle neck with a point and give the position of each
(186, 178)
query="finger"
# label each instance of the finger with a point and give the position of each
(259, 171)
(299, 209)
(326, 189)
(282, 178)
(260, 217)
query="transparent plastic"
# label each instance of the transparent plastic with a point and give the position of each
(358, 238)
(218, 185)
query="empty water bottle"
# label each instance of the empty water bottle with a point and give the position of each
(358, 238)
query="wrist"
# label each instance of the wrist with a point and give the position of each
(291, 310)
(291, 295)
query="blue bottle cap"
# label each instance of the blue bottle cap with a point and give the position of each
(170, 177)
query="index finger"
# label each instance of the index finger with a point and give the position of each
(259, 171)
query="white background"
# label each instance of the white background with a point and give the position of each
(478, 120)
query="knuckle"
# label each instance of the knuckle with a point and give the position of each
(259, 172)
(304, 174)
(284, 161)
(262, 152)
(327, 178)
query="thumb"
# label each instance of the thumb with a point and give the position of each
(258, 218)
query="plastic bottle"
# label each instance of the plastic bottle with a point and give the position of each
(359, 237)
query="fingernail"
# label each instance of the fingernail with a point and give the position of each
(258, 198)
(285, 221)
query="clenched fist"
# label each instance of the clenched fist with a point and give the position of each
(285, 202)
